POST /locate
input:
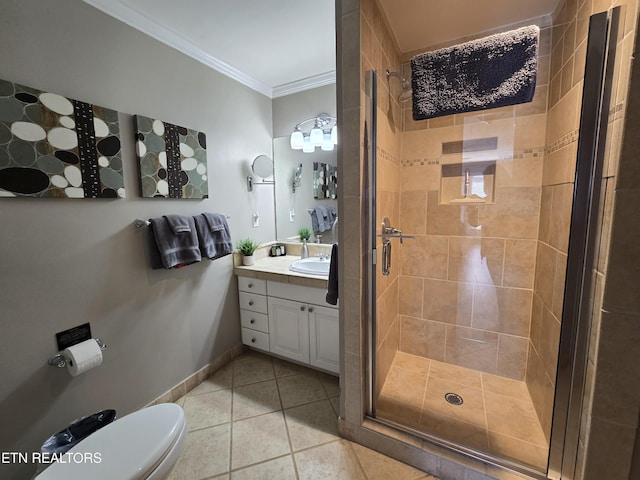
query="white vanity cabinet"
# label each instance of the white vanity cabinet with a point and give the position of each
(298, 323)
(254, 312)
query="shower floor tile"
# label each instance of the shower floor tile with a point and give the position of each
(496, 415)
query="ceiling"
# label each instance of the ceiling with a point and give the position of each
(279, 47)
(276, 47)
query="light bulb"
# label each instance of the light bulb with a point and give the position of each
(316, 136)
(327, 144)
(334, 134)
(296, 140)
(306, 145)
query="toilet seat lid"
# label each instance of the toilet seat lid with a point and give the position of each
(129, 448)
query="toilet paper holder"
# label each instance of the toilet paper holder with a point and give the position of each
(59, 361)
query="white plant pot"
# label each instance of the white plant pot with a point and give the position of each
(248, 260)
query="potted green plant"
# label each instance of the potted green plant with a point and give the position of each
(247, 247)
(305, 234)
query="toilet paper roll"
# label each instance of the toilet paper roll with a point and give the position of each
(82, 357)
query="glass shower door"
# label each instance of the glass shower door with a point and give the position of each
(467, 315)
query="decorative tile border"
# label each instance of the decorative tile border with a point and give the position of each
(562, 142)
(517, 154)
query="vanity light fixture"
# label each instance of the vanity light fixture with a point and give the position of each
(323, 134)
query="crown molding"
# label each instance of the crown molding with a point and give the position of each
(316, 81)
(139, 21)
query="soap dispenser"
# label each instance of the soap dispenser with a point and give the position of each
(305, 250)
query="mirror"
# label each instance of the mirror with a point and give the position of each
(296, 184)
(262, 166)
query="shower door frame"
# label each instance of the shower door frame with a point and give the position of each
(578, 303)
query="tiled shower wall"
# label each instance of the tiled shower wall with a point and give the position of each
(611, 407)
(380, 52)
(466, 283)
(568, 54)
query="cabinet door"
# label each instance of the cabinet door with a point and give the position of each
(324, 338)
(289, 329)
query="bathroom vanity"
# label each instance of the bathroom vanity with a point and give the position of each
(285, 313)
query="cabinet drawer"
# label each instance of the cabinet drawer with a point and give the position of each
(253, 302)
(255, 339)
(299, 293)
(254, 320)
(254, 285)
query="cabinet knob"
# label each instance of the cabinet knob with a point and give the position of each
(302, 308)
(250, 302)
(310, 309)
(252, 321)
(250, 285)
(253, 340)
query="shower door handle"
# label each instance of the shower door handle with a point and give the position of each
(399, 235)
(386, 257)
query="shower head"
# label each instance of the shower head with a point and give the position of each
(406, 92)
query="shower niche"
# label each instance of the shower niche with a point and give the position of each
(468, 183)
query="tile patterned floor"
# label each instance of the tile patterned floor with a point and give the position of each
(263, 418)
(497, 415)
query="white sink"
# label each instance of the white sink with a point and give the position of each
(311, 266)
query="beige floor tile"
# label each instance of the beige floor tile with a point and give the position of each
(335, 403)
(300, 389)
(505, 386)
(397, 411)
(331, 384)
(311, 424)
(405, 386)
(515, 418)
(219, 380)
(279, 469)
(284, 368)
(255, 399)
(252, 368)
(380, 467)
(450, 428)
(471, 411)
(453, 373)
(258, 439)
(411, 362)
(519, 450)
(205, 454)
(208, 409)
(335, 460)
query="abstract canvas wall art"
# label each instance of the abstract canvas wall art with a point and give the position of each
(172, 160)
(53, 146)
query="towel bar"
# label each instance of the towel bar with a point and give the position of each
(139, 223)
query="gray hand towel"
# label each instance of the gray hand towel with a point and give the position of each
(213, 235)
(321, 215)
(178, 223)
(176, 250)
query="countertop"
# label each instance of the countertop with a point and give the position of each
(277, 269)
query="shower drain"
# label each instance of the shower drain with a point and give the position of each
(453, 398)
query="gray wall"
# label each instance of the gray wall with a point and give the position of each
(65, 262)
(292, 109)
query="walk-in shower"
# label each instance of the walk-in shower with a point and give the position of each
(481, 228)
